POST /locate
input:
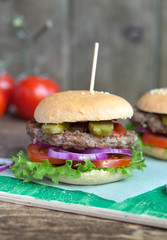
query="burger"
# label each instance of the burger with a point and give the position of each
(150, 119)
(76, 138)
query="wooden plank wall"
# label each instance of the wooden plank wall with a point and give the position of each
(131, 33)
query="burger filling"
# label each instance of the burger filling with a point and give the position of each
(78, 136)
(152, 128)
(154, 122)
(72, 148)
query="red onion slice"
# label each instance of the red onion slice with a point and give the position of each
(41, 144)
(108, 150)
(86, 151)
(61, 154)
(5, 164)
(142, 130)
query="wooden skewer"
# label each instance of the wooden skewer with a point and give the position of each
(92, 81)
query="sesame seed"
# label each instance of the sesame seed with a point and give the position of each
(160, 91)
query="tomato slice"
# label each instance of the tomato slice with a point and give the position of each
(118, 130)
(37, 153)
(114, 160)
(153, 139)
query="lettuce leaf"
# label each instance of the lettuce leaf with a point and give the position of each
(25, 169)
(130, 126)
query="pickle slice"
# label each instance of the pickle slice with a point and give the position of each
(102, 128)
(55, 128)
(164, 119)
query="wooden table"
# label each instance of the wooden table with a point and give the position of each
(23, 222)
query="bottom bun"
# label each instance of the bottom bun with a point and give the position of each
(156, 152)
(94, 177)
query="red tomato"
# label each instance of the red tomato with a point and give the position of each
(2, 102)
(7, 85)
(37, 153)
(114, 160)
(118, 130)
(30, 91)
(153, 139)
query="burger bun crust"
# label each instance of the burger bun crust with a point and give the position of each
(156, 152)
(76, 106)
(94, 177)
(154, 101)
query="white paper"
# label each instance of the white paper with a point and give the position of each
(154, 175)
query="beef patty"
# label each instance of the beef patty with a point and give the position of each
(152, 121)
(78, 137)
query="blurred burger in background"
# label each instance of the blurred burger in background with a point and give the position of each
(150, 119)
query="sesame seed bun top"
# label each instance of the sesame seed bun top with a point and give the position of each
(75, 106)
(154, 101)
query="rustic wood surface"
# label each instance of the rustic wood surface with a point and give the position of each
(22, 222)
(132, 35)
(124, 30)
(162, 22)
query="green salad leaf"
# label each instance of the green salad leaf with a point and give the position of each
(130, 126)
(25, 169)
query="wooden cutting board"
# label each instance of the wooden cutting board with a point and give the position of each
(147, 209)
